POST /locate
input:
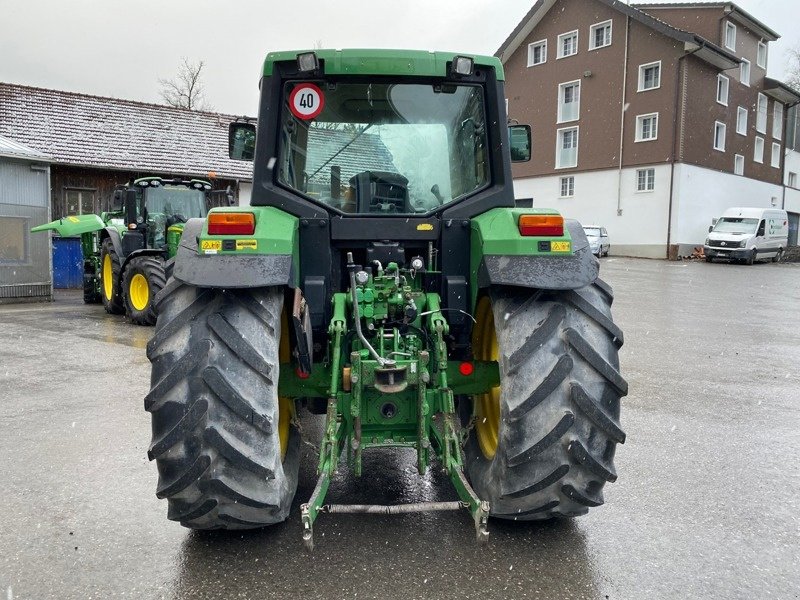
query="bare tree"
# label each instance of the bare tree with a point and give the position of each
(793, 68)
(186, 89)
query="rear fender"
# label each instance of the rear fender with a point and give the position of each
(116, 240)
(500, 256)
(269, 257)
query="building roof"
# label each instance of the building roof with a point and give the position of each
(12, 149)
(110, 133)
(693, 43)
(733, 12)
(781, 92)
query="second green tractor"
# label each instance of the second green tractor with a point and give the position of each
(127, 251)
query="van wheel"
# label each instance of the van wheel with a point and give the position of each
(752, 258)
(710, 259)
(778, 256)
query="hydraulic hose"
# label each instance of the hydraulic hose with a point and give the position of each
(351, 268)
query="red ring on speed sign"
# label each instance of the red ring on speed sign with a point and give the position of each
(306, 101)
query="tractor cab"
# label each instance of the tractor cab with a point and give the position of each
(156, 209)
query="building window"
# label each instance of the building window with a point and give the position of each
(79, 202)
(647, 127)
(758, 151)
(537, 53)
(567, 186)
(792, 181)
(600, 35)
(777, 120)
(568, 44)
(567, 148)
(738, 164)
(722, 89)
(741, 120)
(14, 241)
(569, 101)
(650, 76)
(761, 59)
(744, 72)
(645, 180)
(719, 136)
(730, 36)
(761, 114)
(775, 159)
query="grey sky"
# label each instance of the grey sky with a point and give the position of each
(121, 47)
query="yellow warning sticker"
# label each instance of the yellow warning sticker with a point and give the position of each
(425, 227)
(211, 245)
(246, 244)
(560, 246)
(73, 219)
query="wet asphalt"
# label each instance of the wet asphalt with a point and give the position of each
(706, 505)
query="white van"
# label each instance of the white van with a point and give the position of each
(748, 234)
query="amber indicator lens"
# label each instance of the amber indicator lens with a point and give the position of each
(541, 225)
(222, 223)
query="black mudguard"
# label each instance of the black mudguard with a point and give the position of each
(544, 272)
(228, 270)
(116, 240)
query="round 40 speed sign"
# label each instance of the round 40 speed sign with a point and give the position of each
(306, 101)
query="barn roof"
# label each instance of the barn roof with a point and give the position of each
(111, 133)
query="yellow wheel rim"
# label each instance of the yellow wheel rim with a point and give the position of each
(139, 292)
(108, 276)
(285, 405)
(487, 406)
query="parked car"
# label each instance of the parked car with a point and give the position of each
(748, 235)
(598, 239)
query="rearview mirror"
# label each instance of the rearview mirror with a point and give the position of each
(117, 201)
(241, 140)
(519, 137)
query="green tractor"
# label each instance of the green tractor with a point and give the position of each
(126, 250)
(383, 278)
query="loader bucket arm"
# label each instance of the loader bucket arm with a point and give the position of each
(73, 226)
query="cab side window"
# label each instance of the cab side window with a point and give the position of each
(760, 232)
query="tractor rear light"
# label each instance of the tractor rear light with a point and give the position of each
(466, 369)
(239, 223)
(541, 225)
(307, 62)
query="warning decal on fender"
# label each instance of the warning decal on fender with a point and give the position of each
(246, 244)
(306, 101)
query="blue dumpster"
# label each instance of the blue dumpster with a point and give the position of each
(67, 263)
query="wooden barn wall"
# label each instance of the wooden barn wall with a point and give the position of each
(101, 184)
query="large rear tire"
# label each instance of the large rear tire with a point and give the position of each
(109, 279)
(144, 277)
(226, 447)
(543, 442)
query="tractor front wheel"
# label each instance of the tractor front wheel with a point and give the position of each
(542, 443)
(226, 446)
(90, 294)
(144, 277)
(109, 279)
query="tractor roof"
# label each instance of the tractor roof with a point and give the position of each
(384, 62)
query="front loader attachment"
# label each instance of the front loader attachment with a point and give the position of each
(73, 225)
